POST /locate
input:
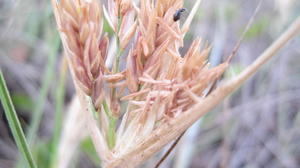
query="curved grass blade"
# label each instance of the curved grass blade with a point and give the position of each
(14, 123)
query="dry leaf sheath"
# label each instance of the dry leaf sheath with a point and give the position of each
(134, 111)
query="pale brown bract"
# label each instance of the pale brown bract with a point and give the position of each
(164, 91)
(80, 26)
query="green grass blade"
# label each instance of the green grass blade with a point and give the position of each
(14, 123)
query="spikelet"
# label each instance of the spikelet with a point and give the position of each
(120, 16)
(80, 26)
(162, 83)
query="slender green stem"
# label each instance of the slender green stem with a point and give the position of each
(119, 50)
(59, 104)
(47, 80)
(31, 132)
(118, 57)
(111, 135)
(14, 123)
(111, 138)
(106, 108)
(116, 67)
(111, 132)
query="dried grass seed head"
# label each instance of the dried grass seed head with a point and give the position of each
(80, 26)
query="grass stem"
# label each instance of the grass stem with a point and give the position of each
(14, 123)
(41, 100)
(59, 104)
(111, 135)
(111, 138)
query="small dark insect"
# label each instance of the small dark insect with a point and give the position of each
(178, 13)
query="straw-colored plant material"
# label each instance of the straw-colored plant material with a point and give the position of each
(80, 25)
(166, 89)
(72, 133)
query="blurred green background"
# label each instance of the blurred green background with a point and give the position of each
(257, 126)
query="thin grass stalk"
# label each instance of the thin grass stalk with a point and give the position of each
(45, 87)
(59, 104)
(116, 68)
(174, 128)
(14, 123)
